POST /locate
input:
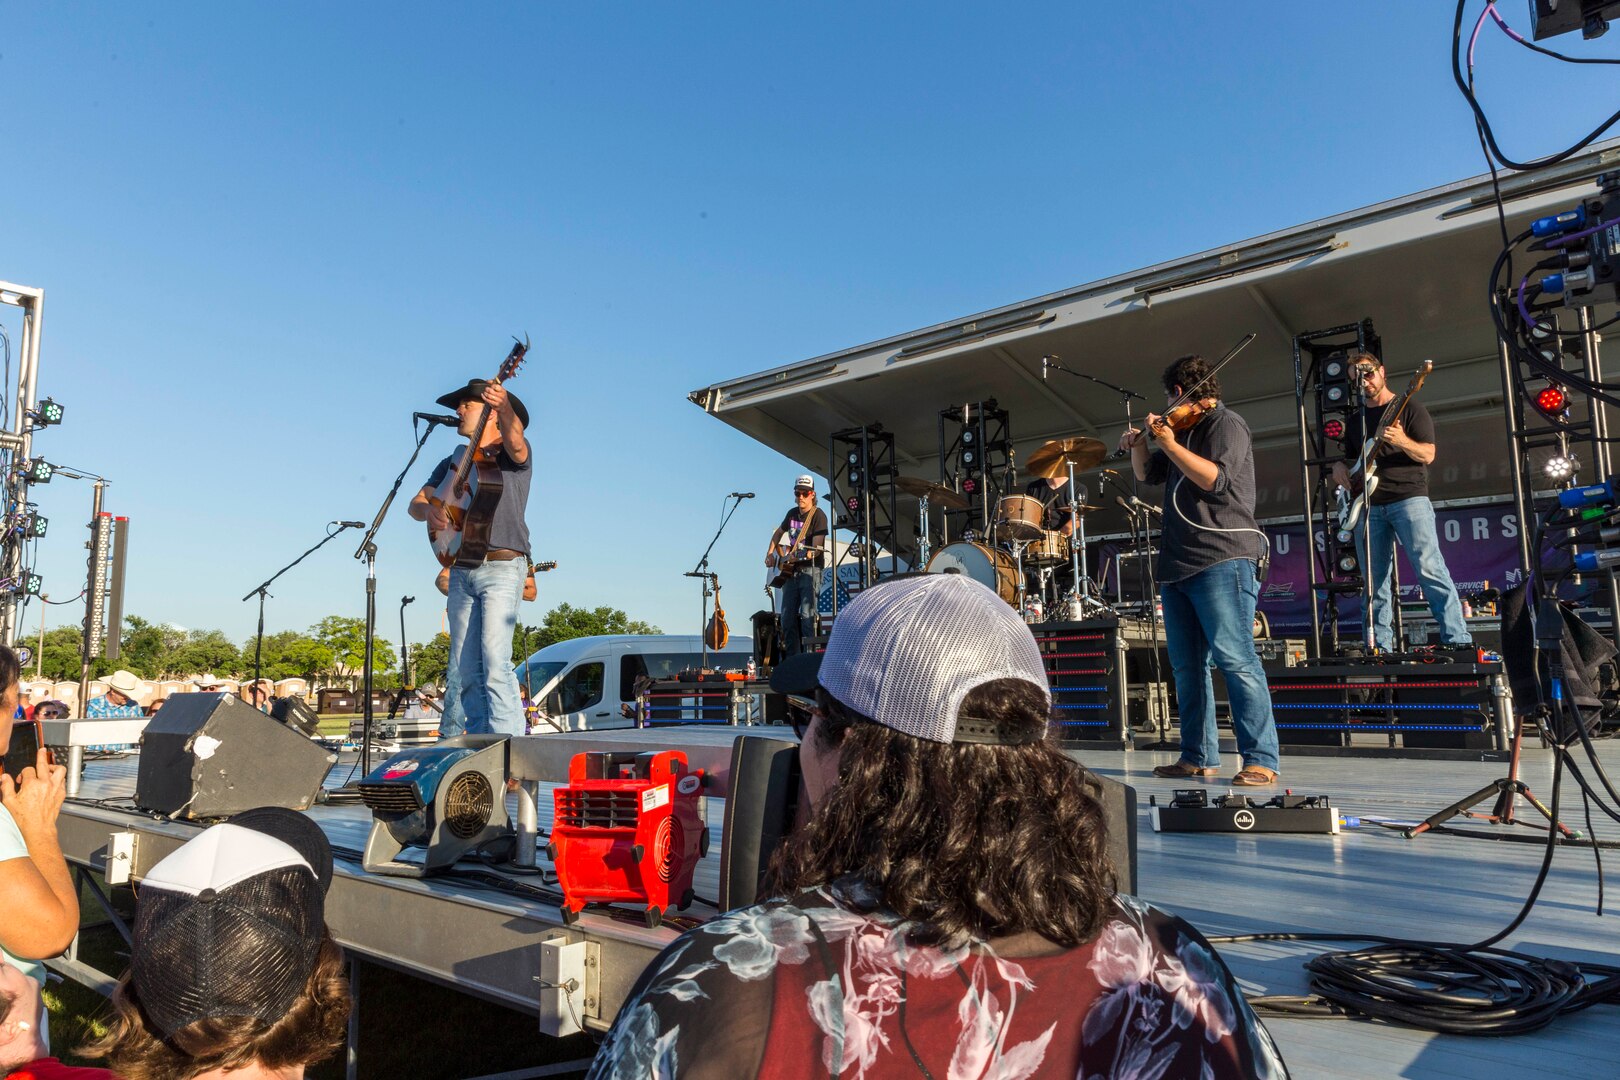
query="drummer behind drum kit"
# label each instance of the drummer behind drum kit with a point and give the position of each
(1022, 554)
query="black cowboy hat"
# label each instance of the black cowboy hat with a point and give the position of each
(474, 389)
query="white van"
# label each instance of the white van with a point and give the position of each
(585, 682)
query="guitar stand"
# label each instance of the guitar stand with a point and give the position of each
(1504, 789)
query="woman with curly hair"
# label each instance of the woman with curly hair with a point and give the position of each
(946, 909)
(233, 973)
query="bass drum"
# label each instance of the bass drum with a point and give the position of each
(988, 566)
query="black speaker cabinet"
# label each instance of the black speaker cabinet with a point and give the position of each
(214, 755)
(763, 804)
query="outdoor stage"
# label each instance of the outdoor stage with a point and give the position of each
(486, 942)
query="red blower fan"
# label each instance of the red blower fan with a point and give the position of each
(627, 830)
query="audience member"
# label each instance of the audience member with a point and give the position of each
(23, 1053)
(53, 710)
(154, 705)
(233, 974)
(38, 899)
(119, 700)
(257, 694)
(947, 908)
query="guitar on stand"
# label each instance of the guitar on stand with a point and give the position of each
(471, 489)
(1353, 501)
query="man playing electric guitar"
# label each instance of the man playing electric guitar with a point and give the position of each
(795, 551)
(1399, 507)
(482, 690)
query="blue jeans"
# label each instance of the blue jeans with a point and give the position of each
(1209, 617)
(1412, 522)
(481, 691)
(799, 598)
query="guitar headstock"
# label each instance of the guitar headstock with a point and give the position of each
(514, 359)
(1419, 375)
(542, 567)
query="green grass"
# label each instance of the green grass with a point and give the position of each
(408, 1026)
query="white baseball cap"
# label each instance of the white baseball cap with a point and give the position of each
(805, 481)
(906, 652)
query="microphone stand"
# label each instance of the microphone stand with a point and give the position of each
(1125, 397)
(263, 590)
(701, 570)
(368, 552)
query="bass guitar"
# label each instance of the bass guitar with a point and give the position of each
(1353, 501)
(471, 489)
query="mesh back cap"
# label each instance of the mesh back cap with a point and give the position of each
(906, 652)
(228, 925)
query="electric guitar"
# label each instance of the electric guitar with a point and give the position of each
(471, 489)
(530, 589)
(1353, 501)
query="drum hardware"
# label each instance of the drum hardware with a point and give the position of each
(1081, 603)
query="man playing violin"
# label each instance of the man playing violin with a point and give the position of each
(482, 689)
(1209, 569)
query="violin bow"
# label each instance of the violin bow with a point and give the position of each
(1187, 395)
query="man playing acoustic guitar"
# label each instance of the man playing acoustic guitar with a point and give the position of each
(482, 693)
(1400, 507)
(795, 552)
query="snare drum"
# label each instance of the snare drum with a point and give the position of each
(1020, 517)
(988, 566)
(1052, 549)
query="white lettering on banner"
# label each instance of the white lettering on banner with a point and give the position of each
(1482, 528)
(1321, 540)
(1280, 543)
(1478, 470)
(1449, 473)
(1452, 530)
(1510, 526)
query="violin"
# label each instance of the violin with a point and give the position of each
(1186, 416)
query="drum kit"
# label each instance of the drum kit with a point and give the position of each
(1020, 557)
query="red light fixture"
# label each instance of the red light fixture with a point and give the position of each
(1551, 401)
(1333, 429)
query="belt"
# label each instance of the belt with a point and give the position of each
(502, 555)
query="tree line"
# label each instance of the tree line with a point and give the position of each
(329, 652)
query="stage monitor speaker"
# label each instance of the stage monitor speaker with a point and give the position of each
(214, 755)
(763, 802)
(292, 711)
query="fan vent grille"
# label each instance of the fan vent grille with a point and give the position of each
(468, 804)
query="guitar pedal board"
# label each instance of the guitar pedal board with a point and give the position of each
(1192, 810)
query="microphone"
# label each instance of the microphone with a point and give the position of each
(1129, 509)
(742, 494)
(1146, 507)
(406, 600)
(437, 418)
(1591, 495)
(351, 524)
(694, 573)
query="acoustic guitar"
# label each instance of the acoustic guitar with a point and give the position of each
(471, 489)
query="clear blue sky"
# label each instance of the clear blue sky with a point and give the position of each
(269, 233)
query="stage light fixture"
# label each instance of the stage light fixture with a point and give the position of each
(854, 457)
(969, 457)
(967, 436)
(853, 504)
(1333, 429)
(34, 525)
(27, 583)
(38, 471)
(1561, 467)
(1347, 563)
(1552, 401)
(855, 476)
(970, 486)
(48, 412)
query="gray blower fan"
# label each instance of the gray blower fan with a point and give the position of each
(448, 799)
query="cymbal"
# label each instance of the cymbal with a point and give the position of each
(938, 494)
(1053, 458)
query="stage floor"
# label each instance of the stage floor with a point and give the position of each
(1368, 879)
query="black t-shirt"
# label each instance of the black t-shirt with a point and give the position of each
(817, 537)
(1056, 500)
(1399, 476)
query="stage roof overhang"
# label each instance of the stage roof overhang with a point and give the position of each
(1417, 266)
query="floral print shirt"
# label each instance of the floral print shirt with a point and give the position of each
(808, 987)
